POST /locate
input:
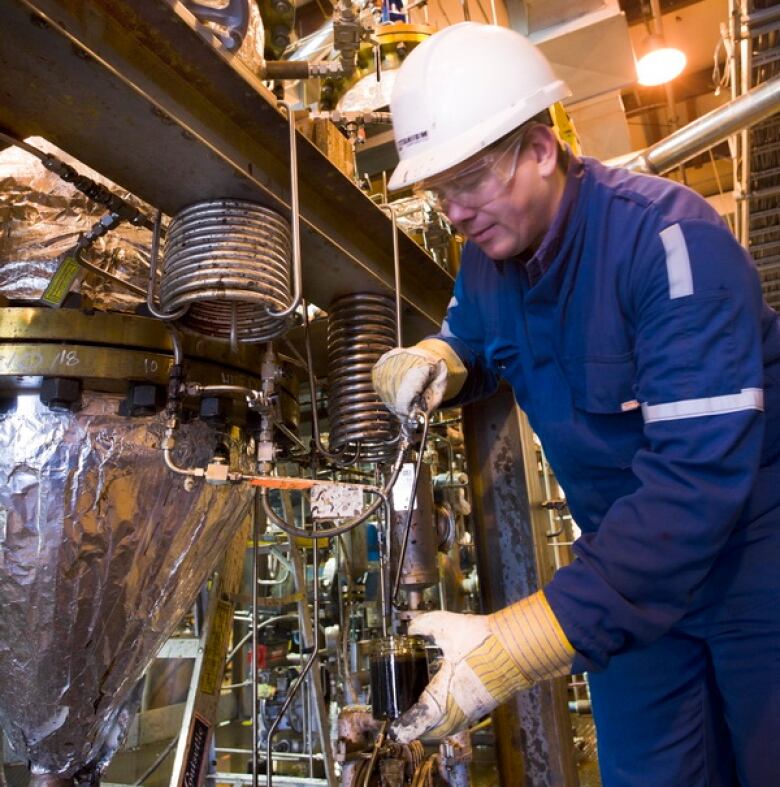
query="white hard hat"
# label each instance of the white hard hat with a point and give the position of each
(462, 89)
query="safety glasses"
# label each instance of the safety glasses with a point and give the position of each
(478, 183)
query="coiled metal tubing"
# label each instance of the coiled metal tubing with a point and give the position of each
(361, 327)
(228, 260)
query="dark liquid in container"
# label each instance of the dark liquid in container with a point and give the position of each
(397, 681)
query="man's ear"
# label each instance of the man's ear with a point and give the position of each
(545, 146)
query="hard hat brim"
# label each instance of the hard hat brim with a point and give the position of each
(435, 158)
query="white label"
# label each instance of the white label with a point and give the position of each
(402, 491)
(336, 502)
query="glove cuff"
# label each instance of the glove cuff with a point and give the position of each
(456, 371)
(533, 638)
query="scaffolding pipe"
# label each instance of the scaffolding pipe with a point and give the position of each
(708, 130)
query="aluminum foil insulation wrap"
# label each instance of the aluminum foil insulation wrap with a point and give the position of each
(41, 217)
(361, 328)
(102, 551)
(229, 262)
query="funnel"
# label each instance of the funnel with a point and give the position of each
(102, 550)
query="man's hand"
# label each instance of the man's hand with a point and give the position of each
(423, 374)
(487, 658)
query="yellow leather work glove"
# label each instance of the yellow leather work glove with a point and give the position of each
(427, 373)
(487, 658)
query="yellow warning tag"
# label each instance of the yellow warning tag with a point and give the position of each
(60, 283)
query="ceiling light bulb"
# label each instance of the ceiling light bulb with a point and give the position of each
(659, 63)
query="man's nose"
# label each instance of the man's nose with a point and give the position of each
(458, 213)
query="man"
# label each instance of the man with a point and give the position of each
(631, 327)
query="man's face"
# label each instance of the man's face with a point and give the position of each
(510, 207)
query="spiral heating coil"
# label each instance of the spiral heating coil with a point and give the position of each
(361, 327)
(229, 261)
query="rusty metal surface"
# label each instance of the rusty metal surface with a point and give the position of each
(533, 731)
(133, 90)
(107, 350)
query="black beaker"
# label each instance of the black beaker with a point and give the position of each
(399, 673)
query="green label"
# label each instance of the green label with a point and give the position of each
(60, 284)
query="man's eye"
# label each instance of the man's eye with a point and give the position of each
(469, 181)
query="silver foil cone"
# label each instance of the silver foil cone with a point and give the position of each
(102, 550)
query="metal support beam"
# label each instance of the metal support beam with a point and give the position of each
(140, 92)
(533, 730)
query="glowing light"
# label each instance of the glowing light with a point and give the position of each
(659, 63)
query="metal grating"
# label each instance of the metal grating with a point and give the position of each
(758, 166)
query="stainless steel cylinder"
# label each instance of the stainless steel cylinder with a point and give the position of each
(420, 567)
(361, 327)
(229, 261)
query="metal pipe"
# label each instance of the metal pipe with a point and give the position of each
(396, 271)
(193, 472)
(332, 532)
(710, 129)
(153, 255)
(384, 562)
(84, 263)
(178, 346)
(378, 743)
(309, 638)
(307, 667)
(237, 391)
(295, 219)
(361, 328)
(338, 457)
(245, 778)
(157, 763)
(248, 636)
(286, 69)
(278, 755)
(255, 709)
(761, 16)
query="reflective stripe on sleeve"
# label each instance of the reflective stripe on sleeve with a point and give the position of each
(746, 399)
(678, 263)
(445, 330)
(445, 326)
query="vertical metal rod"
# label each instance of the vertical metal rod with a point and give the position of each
(255, 539)
(396, 272)
(316, 631)
(309, 638)
(301, 677)
(153, 255)
(295, 221)
(384, 544)
(378, 742)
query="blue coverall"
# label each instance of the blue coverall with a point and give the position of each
(637, 342)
